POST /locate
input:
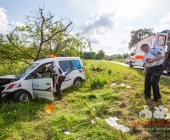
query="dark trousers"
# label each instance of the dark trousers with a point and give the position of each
(151, 80)
(58, 87)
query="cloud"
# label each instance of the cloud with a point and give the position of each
(16, 23)
(165, 19)
(161, 27)
(104, 33)
(3, 21)
(4, 24)
(94, 40)
(123, 41)
(100, 24)
(163, 23)
(99, 27)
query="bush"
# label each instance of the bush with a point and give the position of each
(98, 83)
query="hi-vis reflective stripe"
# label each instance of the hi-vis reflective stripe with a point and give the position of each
(14, 85)
(138, 57)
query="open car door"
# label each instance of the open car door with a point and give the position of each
(42, 82)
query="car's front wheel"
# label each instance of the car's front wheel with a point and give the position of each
(130, 64)
(21, 96)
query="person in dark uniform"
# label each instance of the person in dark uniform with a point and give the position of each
(59, 77)
(152, 70)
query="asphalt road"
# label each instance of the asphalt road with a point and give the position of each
(165, 74)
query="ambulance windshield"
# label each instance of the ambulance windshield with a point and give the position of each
(26, 70)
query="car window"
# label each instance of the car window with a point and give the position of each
(75, 64)
(43, 71)
(161, 40)
(26, 70)
(65, 65)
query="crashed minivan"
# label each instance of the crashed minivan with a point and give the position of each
(36, 79)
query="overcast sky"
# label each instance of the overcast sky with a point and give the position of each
(106, 23)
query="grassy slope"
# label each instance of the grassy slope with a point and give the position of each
(95, 100)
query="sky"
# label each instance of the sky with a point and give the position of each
(105, 23)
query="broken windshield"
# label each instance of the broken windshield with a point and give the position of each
(26, 70)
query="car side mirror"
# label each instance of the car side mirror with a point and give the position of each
(30, 76)
(132, 54)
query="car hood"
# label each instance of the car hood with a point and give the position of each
(8, 77)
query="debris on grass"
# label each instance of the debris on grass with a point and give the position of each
(113, 84)
(128, 86)
(65, 131)
(92, 121)
(96, 69)
(122, 84)
(49, 108)
(112, 122)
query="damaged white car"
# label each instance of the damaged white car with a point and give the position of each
(36, 79)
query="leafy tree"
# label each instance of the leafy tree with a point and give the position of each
(41, 36)
(126, 55)
(100, 55)
(72, 45)
(107, 57)
(89, 55)
(138, 35)
(119, 56)
(38, 31)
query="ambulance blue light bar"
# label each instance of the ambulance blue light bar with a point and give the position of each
(164, 31)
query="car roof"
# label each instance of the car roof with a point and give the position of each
(46, 60)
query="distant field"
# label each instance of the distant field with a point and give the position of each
(93, 102)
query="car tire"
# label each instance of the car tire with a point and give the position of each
(130, 64)
(168, 72)
(21, 96)
(77, 82)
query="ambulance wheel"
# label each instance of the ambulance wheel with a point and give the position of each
(21, 96)
(130, 64)
(77, 82)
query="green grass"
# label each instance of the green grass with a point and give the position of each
(95, 100)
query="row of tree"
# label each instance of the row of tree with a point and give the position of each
(101, 55)
(92, 55)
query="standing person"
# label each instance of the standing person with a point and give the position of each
(152, 70)
(59, 77)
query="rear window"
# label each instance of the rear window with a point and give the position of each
(76, 64)
(69, 65)
(161, 40)
(65, 65)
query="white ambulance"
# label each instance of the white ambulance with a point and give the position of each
(36, 79)
(160, 40)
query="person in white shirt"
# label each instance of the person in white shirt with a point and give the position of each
(59, 77)
(152, 70)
